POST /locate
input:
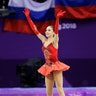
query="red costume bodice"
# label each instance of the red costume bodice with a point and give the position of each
(50, 54)
(51, 61)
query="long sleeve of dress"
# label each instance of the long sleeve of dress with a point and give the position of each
(56, 25)
(32, 25)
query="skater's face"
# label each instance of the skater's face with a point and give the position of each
(49, 31)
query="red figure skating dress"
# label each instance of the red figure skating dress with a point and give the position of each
(51, 61)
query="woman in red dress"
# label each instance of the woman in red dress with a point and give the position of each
(53, 68)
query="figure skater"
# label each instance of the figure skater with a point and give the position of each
(53, 68)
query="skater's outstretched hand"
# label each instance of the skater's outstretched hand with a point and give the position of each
(60, 14)
(26, 11)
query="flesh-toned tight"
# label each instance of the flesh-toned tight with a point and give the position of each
(55, 76)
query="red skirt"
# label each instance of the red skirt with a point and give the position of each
(47, 69)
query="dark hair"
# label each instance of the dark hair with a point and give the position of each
(51, 27)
